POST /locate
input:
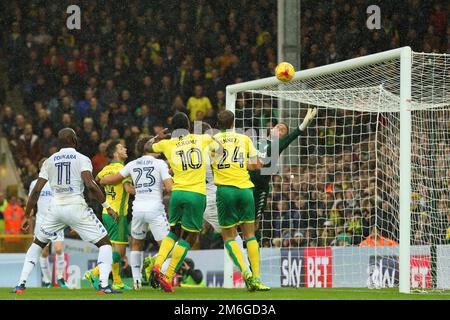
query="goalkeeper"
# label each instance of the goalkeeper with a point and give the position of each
(261, 179)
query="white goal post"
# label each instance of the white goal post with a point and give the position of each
(382, 84)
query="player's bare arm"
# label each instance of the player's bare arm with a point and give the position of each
(112, 179)
(129, 188)
(93, 187)
(168, 183)
(32, 201)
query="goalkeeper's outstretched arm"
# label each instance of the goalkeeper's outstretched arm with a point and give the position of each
(285, 141)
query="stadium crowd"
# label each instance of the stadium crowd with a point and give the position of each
(132, 67)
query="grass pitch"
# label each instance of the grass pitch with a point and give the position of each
(148, 293)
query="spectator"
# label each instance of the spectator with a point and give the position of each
(29, 144)
(13, 216)
(375, 239)
(48, 141)
(198, 103)
(99, 161)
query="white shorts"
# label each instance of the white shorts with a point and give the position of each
(210, 214)
(79, 217)
(155, 221)
(59, 235)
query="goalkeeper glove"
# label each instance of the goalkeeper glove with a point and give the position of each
(308, 118)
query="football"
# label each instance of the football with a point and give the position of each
(284, 71)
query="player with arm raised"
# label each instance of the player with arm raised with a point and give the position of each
(43, 206)
(117, 195)
(187, 155)
(262, 181)
(235, 204)
(149, 175)
(67, 172)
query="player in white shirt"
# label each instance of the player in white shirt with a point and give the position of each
(67, 172)
(43, 206)
(150, 176)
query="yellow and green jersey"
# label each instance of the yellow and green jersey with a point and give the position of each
(187, 156)
(116, 195)
(230, 169)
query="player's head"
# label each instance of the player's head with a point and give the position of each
(280, 130)
(225, 120)
(67, 138)
(181, 121)
(140, 147)
(205, 127)
(41, 162)
(116, 151)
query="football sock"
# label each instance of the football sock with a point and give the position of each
(136, 262)
(165, 265)
(96, 271)
(45, 268)
(31, 258)
(253, 255)
(60, 264)
(178, 254)
(166, 246)
(104, 263)
(116, 266)
(235, 254)
(240, 243)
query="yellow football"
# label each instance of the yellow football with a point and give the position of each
(284, 71)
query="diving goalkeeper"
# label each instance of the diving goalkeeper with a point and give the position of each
(261, 179)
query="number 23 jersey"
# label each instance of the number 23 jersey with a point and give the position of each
(187, 157)
(148, 174)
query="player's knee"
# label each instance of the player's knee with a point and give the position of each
(176, 230)
(190, 237)
(137, 245)
(104, 242)
(40, 243)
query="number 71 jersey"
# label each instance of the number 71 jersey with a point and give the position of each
(63, 171)
(187, 156)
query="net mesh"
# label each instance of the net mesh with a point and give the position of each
(338, 183)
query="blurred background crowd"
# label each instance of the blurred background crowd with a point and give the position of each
(134, 64)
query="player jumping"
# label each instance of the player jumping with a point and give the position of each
(117, 195)
(68, 171)
(149, 175)
(235, 204)
(43, 205)
(187, 155)
(262, 181)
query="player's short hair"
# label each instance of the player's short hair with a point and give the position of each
(205, 127)
(225, 120)
(111, 148)
(180, 121)
(140, 144)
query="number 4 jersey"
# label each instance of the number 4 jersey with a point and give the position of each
(148, 174)
(116, 195)
(63, 171)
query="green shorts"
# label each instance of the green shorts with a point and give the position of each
(234, 206)
(187, 208)
(117, 232)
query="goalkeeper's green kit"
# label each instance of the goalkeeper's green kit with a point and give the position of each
(262, 182)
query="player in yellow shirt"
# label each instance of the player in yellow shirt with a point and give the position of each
(117, 196)
(187, 155)
(234, 197)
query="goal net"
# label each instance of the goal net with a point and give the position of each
(361, 198)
